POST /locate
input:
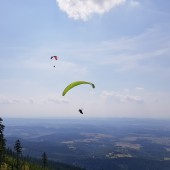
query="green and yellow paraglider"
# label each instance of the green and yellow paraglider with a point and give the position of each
(76, 83)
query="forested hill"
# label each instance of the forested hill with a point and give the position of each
(12, 158)
(28, 163)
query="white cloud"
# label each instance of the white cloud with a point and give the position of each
(122, 97)
(37, 100)
(11, 100)
(134, 3)
(139, 88)
(56, 100)
(83, 9)
(4, 100)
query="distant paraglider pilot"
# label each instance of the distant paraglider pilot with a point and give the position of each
(81, 111)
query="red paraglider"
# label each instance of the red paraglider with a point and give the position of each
(55, 57)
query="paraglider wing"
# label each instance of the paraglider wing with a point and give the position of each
(76, 83)
(56, 58)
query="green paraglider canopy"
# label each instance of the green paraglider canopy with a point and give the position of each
(76, 83)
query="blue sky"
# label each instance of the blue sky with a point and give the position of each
(122, 46)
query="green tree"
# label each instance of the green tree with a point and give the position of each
(2, 142)
(44, 159)
(18, 150)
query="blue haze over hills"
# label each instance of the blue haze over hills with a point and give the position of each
(82, 142)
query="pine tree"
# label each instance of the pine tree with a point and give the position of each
(2, 143)
(44, 159)
(18, 149)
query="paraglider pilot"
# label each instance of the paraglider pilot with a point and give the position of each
(81, 111)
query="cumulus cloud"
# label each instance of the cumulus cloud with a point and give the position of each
(55, 100)
(4, 100)
(81, 9)
(134, 3)
(10, 100)
(122, 97)
(139, 88)
(38, 100)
